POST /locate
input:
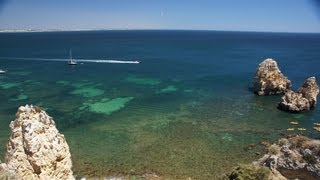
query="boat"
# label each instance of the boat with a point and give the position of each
(2, 71)
(302, 129)
(294, 122)
(72, 61)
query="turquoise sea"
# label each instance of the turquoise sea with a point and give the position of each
(187, 110)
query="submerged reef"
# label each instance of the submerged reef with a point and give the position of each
(36, 149)
(269, 80)
(106, 105)
(168, 89)
(302, 100)
(87, 92)
(142, 80)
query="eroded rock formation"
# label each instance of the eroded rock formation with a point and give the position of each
(36, 149)
(294, 157)
(269, 80)
(302, 100)
(296, 153)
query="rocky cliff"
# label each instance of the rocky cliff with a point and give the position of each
(302, 100)
(269, 80)
(36, 149)
(296, 156)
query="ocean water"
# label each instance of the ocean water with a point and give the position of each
(186, 111)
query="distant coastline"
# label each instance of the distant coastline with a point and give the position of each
(101, 29)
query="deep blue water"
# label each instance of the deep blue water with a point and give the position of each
(186, 111)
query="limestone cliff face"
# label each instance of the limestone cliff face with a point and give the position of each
(269, 80)
(36, 149)
(302, 100)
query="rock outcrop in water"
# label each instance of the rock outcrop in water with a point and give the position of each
(269, 80)
(36, 149)
(302, 100)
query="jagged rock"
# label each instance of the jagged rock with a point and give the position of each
(36, 149)
(302, 100)
(269, 80)
(253, 172)
(297, 153)
(294, 102)
(310, 90)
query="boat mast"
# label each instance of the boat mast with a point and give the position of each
(70, 55)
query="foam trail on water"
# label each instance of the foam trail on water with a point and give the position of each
(113, 61)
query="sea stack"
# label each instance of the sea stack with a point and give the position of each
(302, 100)
(269, 80)
(36, 149)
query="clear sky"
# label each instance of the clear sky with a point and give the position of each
(235, 15)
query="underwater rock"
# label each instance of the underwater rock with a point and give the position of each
(106, 106)
(142, 80)
(87, 92)
(269, 80)
(295, 153)
(302, 100)
(168, 89)
(36, 149)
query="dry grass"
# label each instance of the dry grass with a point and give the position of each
(283, 141)
(274, 149)
(299, 141)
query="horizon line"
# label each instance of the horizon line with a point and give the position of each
(35, 30)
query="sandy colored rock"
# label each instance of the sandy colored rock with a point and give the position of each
(297, 153)
(36, 149)
(5, 173)
(294, 102)
(302, 100)
(269, 80)
(310, 90)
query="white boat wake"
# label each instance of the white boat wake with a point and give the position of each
(112, 61)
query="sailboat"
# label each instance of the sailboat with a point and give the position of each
(72, 61)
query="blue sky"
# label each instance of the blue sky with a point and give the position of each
(235, 15)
